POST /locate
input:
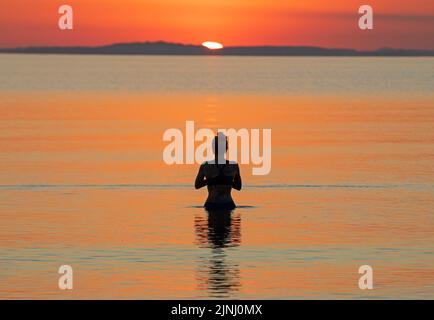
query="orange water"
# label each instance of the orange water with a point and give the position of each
(83, 181)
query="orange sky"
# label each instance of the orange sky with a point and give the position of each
(332, 23)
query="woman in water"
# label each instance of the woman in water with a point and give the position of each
(219, 178)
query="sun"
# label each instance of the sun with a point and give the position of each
(212, 45)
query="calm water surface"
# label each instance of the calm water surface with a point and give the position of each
(83, 182)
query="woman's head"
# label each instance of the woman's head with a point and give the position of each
(220, 145)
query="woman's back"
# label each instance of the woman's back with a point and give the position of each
(219, 179)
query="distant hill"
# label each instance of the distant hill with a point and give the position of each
(165, 48)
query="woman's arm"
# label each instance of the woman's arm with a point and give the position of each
(200, 179)
(236, 183)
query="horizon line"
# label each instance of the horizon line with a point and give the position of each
(201, 46)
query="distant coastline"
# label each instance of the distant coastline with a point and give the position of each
(166, 48)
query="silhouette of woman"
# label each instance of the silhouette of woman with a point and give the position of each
(219, 178)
